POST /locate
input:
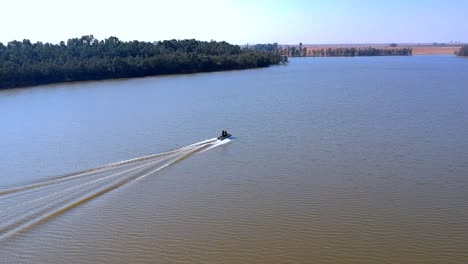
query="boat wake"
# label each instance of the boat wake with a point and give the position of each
(26, 206)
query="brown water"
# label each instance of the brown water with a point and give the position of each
(333, 160)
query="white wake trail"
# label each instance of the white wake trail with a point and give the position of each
(25, 206)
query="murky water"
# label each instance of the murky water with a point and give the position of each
(333, 160)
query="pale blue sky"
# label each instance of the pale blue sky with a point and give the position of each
(238, 21)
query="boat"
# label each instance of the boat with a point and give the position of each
(224, 135)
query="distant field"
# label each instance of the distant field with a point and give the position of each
(427, 50)
(418, 49)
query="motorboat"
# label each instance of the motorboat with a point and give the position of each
(224, 135)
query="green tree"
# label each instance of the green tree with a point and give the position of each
(86, 58)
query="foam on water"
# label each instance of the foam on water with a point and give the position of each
(25, 206)
(217, 143)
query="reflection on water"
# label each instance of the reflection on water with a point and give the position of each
(336, 160)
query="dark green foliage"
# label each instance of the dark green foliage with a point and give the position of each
(284, 59)
(265, 47)
(86, 58)
(393, 45)
(463, 51)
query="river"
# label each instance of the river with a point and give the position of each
(332, 160)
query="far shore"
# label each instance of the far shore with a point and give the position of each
(418, 49)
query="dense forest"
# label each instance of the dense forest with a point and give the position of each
(23, 63)
(463, 51)
(300, 51)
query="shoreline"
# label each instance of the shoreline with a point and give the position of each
(46, 85)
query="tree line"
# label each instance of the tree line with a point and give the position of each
(300, 51)
(351, 52)
(23, 63)
(463, 51)
(294, 51)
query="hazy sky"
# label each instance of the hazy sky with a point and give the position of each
(238, 21)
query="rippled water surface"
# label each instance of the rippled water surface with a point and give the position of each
(333, 160)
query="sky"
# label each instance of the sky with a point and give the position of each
(238, 21)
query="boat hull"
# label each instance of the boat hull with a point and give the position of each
(224, 137)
